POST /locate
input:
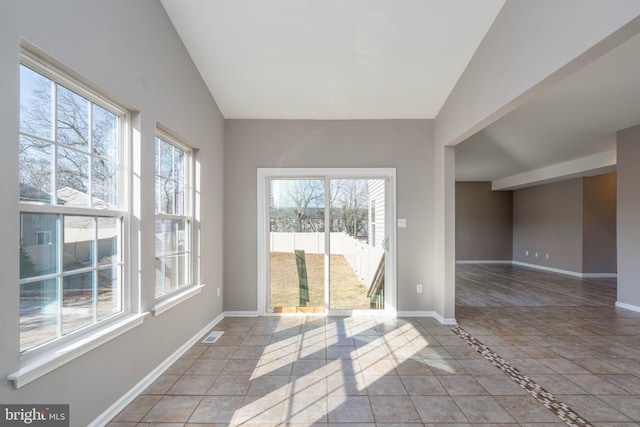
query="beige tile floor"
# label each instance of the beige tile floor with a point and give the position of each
(364, 371)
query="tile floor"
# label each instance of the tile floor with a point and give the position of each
(366, 371)
(363, 371)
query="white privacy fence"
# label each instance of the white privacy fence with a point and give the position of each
(362, 258)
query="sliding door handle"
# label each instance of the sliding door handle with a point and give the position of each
(385, 244)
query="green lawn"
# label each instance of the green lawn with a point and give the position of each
(346, 290)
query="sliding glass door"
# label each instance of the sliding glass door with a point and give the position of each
(325, 245)
(357, 238)
(296, 245)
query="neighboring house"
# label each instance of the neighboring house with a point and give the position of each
(38, 231)
(376, 215)
(31, 194)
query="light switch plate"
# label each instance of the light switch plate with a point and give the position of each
(402, 223)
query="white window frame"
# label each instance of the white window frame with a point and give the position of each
(44, 358)
(174, 297)
(263, 177)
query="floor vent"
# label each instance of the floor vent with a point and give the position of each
(213, 337)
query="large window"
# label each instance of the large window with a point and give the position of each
(72, 209)
(173, 223)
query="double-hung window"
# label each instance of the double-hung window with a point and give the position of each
(72, 206)
(174, 218)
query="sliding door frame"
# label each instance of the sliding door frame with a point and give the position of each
(265, 174)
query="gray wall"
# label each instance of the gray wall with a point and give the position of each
(599, 222)
(547, 219)
(403, 144)
(484, 223)
(573, 221)
(130, 50)
(629, 216)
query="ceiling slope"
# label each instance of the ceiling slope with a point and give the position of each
(331, 59)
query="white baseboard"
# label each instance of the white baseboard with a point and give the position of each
(565, 272)
(241, 314)
(542, 267)
(104, 418)
(551, 269)
(288, 315)
(437, 316)
(600, 275)
(483, 262)
(627, 306)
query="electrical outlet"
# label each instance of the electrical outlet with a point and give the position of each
(526, 253)
(536, 254)
(218, 291)
(547, 256)
(419, 288)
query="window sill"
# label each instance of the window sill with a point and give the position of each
(34, 368)
(174, 300)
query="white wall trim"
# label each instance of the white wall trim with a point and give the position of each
(294, 314)
(551, 269)
(433, 314)
(627, 306)
(565, 272)
(104, 418)
(388, 312)
(174, 300)
(542, 267)
(373, 313)
(36, 367)
(241, 314)
(484, 262)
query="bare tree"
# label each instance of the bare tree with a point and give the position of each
(170, 180)
(296, 204)
(301, 204)
(306, 194)
(352, 199)
(86, 152)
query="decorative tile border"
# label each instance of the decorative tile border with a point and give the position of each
(565, 413)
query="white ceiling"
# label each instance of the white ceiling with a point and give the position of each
(331, 59)
(390, 59)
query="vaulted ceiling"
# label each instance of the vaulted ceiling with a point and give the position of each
(331, 59)
(575, 119)
(398, 59)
